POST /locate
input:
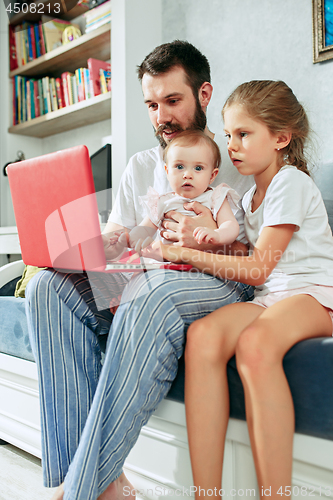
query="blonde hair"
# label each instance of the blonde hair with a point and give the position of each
(189, 138)
(274, 104)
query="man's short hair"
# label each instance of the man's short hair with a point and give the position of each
(190, 138)
(177, 53)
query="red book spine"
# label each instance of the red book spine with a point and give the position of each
(65, 87)
(13, 64)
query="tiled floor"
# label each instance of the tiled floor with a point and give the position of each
(21, 476)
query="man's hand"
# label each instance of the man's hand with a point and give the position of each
(180, 227)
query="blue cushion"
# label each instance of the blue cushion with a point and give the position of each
(309, 370)
(14, 338)
(8, 289)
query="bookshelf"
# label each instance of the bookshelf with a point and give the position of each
(124, 116)
(92, 110)
(68, 57)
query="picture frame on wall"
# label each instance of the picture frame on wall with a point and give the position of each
(322, 18)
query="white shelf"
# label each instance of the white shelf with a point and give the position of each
(77, 115)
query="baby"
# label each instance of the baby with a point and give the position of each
(192, 161)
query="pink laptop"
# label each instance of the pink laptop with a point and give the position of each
(57, 215)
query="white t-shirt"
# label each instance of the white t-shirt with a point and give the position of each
(146, 169)
(293, 198)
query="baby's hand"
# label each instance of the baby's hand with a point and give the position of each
(112, 246)
(139, 238)
(205, 235)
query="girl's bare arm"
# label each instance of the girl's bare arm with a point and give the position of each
(252, 270)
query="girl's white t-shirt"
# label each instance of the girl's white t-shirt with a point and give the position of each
(293, 198)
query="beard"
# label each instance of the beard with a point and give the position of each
(198, 123)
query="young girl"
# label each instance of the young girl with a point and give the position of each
(192, 161)
(291, 265)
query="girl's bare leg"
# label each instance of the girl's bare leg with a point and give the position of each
(210, 344)
(269, 406)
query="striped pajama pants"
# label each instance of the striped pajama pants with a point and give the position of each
(92, 412)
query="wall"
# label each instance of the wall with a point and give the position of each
(258, 39)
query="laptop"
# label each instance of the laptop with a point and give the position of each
(56, 215)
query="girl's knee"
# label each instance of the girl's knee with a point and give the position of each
(256, 351)
(204, 342)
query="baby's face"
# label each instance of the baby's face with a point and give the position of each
(190, 170)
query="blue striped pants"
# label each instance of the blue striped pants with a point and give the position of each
(92, 413)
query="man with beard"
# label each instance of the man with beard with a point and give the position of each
(91, 415)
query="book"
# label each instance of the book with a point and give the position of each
(37, 40)
(94, 65)
(25, 42)
(79, 85)
(60, 94)
(32, 41)
(102, 81)
(36, 99)
(41, 97)
(98, 22)
(53, 30)
(28, 42)
(70, 87)
(32, 100)
(47, 94)
(18, 98)
(86, 83)
(14, 90)
(97, 13)
(53, 94)
(74, 90)
(41, 38)
(18, 42)
(24, 114)
(13, 63)
(65, 87)
(28, 99)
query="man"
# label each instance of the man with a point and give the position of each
(92, 415)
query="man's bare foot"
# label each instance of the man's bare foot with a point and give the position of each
(59, 493)
(117, 490)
